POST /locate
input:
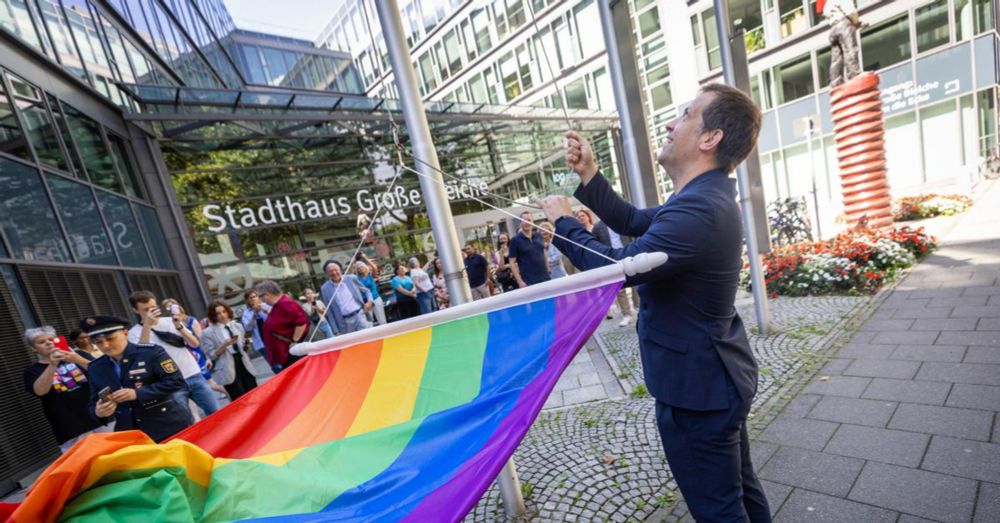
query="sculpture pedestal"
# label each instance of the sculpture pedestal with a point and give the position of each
(860, 134)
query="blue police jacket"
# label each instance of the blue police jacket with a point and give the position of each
(154, 376)
(691, 340)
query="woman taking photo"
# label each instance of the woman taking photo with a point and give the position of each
(440, 288)
(222, 340)
(501, 260)
(406, 296)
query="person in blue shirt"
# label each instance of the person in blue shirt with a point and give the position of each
(253, 320)
(366, 271)
(696, 358)
(406, 295)
(527, 254)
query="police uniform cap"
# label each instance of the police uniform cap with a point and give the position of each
(98, 325)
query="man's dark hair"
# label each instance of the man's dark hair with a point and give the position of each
(138, 297)
(738, 117)
(74, 335)
(249, 293)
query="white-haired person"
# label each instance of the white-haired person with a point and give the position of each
(59, 380)
(366, 272)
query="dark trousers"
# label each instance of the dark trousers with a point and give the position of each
(244, 381)
(709, 456)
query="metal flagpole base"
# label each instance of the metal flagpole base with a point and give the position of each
(510, 490)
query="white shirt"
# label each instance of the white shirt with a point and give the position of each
(345, 301)
(181, 355)
(421, 280)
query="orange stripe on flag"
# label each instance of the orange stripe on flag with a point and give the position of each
(332, 411)
(65, 478)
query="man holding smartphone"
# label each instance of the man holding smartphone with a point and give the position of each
(174, 337)
(135, 384)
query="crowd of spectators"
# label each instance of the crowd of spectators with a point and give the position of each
(167, 368)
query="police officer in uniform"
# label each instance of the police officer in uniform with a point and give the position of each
(141, 379)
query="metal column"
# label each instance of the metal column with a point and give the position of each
(636, 150)
(750, 227)
(432, 188)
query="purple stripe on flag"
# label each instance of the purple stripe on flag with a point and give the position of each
(574, 322)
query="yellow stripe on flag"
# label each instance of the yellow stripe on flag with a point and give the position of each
(394, 388)
(177, 453)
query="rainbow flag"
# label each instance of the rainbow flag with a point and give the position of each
(411, 427)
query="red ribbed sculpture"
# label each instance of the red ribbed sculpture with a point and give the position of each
(860, 133)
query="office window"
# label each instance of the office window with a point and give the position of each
(124, 231)
(794, 79)
(588, 17)
(62, 39)
(38, 124)
(711, 40)
(823, 60)
(157, 242)
(126, 166)
(793, 17)
(427, 70)
(515, 14)
(452, 46)
(492, 88)
(932, 25)
(973, 17)
(442, 61)
(14, 17)
(481, 26)
(76, 206)
(576, 94)
(660, 96)
(658, 73)
(695, 30)
(649, 23)
(93, 152)
(27, 217)
(524, 62)
(12, 140)
(478, 90)
(508, 73)
(568, 46)
(886, 44)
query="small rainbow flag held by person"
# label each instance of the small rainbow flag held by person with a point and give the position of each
(410, 427)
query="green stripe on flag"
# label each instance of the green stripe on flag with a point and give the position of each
(148, 495)
(454, 366)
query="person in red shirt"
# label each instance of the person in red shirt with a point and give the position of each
(285, 325)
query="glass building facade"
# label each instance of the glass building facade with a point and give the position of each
(151, 144)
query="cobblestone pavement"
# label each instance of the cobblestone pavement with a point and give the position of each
(602, 461)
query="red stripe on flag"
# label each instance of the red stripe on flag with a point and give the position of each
(263, 412)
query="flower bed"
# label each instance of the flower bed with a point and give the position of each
(857, 262)
(928, 206)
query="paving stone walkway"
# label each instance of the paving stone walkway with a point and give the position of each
(902, 424)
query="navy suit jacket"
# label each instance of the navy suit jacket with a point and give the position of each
(691, 340)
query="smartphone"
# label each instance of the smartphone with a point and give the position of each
(62, 344)
(175, 309)
(105, 394)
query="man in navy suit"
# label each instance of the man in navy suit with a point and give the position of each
(696, 359)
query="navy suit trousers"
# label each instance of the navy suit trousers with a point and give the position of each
(709, 456)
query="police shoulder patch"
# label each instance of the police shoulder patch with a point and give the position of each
(168, 366)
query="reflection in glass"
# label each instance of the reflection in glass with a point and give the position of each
(794, 79)
(157, 242)
(932, 25)
(74, 160)
(124, 231)
(26, 216)
(12, 140)
(14, 17)
(87, 236)
(126, 166)
(93, 151)
(886, 44)
(38, 123)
